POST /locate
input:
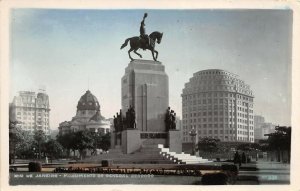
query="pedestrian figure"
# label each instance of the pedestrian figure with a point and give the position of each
(244, 158)
(237, 158)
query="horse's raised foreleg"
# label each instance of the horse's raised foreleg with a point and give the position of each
(152, 51)
(156, 54)
(129, 53)
(137, 53)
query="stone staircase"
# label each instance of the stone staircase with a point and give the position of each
(181, 158)
(147, 154)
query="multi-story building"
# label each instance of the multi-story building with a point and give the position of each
(32, 111)
(217, 104)
(261, 128)
(88, 116)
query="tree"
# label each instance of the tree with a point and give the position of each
(40, 139)
(53, 148)
(280, 140)
(248, 146)
(208, 145)
(15, 139)
(83, 140)
(97, 138)
(20, 142)
(26, 149)
(105, 142)
(67, 142)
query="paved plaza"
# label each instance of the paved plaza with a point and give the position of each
(260, 173)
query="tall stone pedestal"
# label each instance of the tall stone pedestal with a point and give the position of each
(145, 86)
(131, 140)
(175, 141)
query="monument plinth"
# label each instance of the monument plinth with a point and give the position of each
(175, 141)
(131, 140)
(145, 87)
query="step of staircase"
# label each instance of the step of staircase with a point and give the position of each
(180, 158)
(147, 154)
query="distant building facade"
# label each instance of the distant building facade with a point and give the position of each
(88, 116)
(31, 110)
(178, 124)
(218, 105)
(261, 128)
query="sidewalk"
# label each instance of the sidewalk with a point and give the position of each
(266, 165)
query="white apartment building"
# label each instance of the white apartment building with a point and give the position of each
(218, 105)
(31, 110)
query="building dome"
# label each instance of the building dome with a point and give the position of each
(88, 102)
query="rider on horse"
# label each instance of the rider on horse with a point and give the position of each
(144, 37)
(143, 41)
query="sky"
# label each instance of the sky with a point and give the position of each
(68, 51)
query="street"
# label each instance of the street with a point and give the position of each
(266, 173)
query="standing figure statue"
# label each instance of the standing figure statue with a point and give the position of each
(132, 112)
(173, 117)
(168, 119)
(130, 118)
(116, 123)
(143, 41)
(120, 121)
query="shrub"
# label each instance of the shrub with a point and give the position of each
(230, 167)
(106, 163)
(248, 159)
(35, 167)
(214, 179)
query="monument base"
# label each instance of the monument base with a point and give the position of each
(131, 140)
(175, 142)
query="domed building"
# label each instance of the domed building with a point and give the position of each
(88, 116)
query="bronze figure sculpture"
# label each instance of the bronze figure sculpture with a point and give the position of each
(143, 41)
(170, 120)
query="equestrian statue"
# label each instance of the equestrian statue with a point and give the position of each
(143, 41)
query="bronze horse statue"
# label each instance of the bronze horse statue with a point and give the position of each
(137, 42)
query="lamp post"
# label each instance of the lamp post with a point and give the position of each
(193, 134)
(34, 152)
(256, 154)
